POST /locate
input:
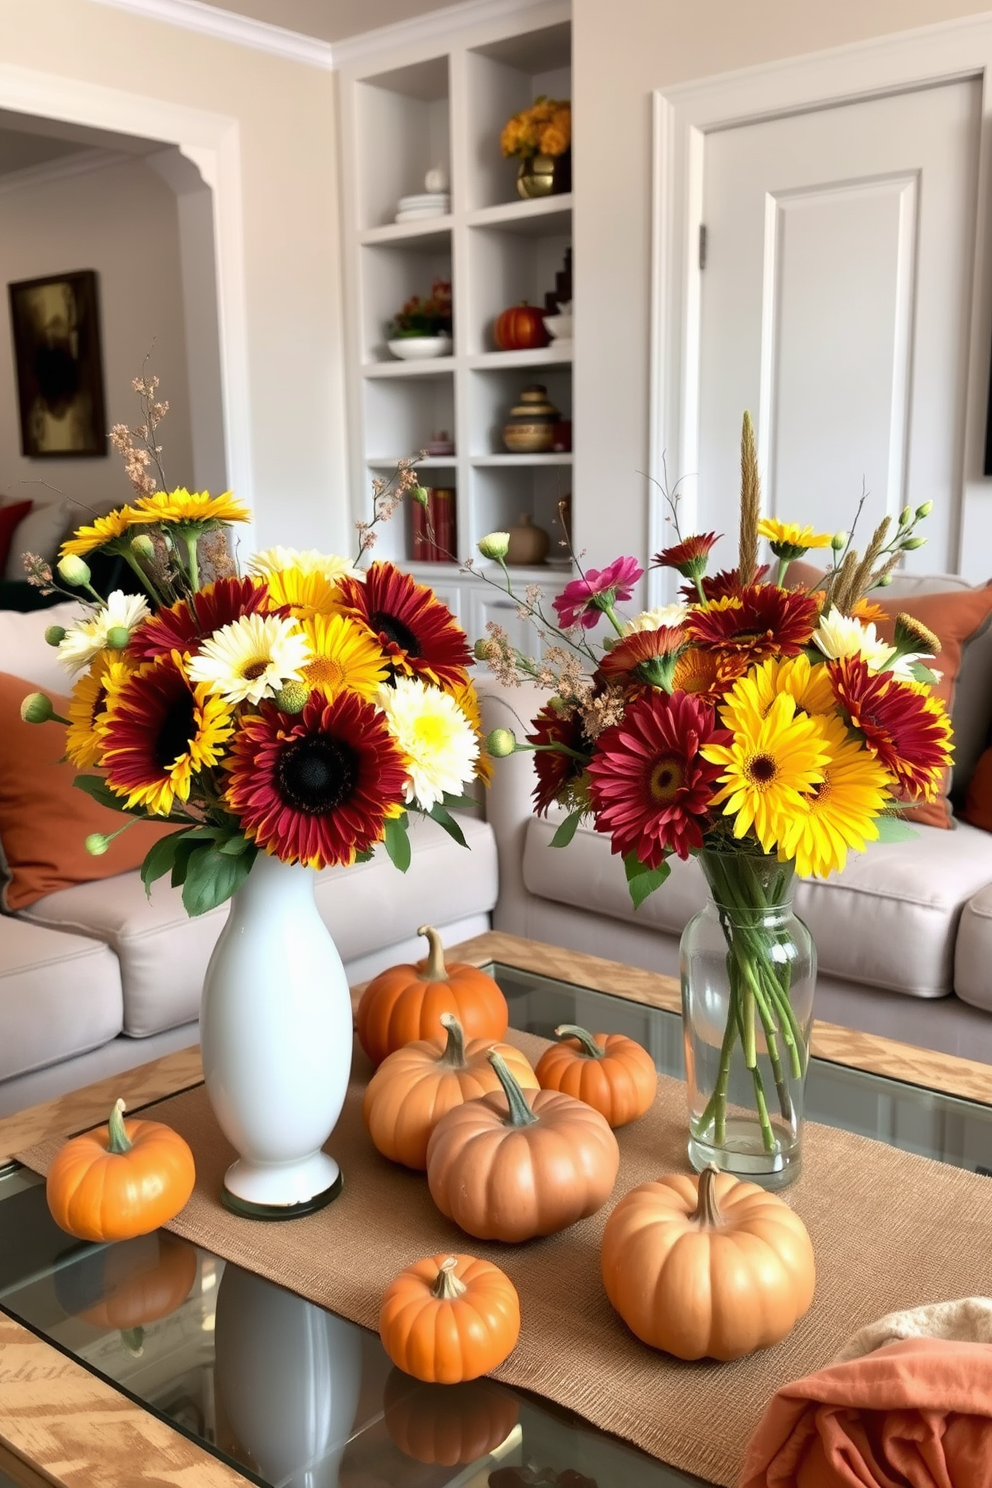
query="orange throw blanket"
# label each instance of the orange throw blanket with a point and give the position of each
(914, 1414)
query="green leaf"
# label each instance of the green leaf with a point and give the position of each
(397, 840)
(365, 857)
(97, 787)
(185, 848)
(894, 829)
(567, 829)
(920, 672)
(159, 860)
(233, 846)
(643, 881)
(212, 877)
(444, 819)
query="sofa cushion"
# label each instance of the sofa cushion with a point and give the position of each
(40, 531)
(890, 919)
(24, 650)
(60, 995)
(973, 951)
(163, 954)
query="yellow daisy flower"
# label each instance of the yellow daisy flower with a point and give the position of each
(345, 657)
(769, 765)
(103, 531)
(754, 694)
(91, 696)
(791, 535)
(304, 591)
(191, 506)
(839, 814)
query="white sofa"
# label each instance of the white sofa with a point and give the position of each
(903, 934)
(96, 978)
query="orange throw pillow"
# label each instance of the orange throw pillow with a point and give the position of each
(44, 818)
(978, 804)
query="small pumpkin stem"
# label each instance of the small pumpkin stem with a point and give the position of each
(133, 1340)
(588, 1045)
(119, 1140)
(707, 1211)
(454, 1052)
(520, 1113)
(434, 969)
(448, 1286)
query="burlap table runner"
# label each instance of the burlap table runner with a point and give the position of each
(890, 1230)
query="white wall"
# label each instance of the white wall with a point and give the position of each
(122, 222)
(285, 120)
(622, 52)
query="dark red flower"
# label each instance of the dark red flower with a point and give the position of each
(182, 626)
(650, 787)
(316, 787)
(761, 621)
(688, 556)
(647, 654)
(556, 771)
(720, 585)
(905, 727)
(416, 631)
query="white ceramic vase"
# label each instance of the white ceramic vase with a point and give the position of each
(276, 1040)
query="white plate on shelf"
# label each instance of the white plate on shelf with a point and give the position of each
(413, 348)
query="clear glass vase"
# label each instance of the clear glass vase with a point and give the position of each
(748, 967)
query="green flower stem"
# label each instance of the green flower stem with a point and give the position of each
(698, 581)
(767, 1133)
(191, 539)
(716, 1106)
(132, 562)
(783, 564)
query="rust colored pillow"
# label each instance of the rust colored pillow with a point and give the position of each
(10, 519)
(978, 804)
(44, 819)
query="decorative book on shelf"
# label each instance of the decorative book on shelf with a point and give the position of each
(434, 538)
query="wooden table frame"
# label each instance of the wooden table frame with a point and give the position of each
(61, 1427)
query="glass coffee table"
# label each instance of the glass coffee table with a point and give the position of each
(290, 1396)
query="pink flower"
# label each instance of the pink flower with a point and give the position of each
(581, 601)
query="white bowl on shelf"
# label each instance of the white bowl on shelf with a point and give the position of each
(412, 348)
(558, 327)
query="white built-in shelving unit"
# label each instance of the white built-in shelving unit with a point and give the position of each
(400, 117)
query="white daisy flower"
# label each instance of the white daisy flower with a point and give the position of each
(307, 560)
(86, 639)
(252, 658)
(671, 614)
(432, 731)
(842, 635)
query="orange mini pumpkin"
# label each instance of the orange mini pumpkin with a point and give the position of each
(519, 328)
(609, 1071)
(449, 1318)
(124, 1180)
(416, 1085)
(708, 1267)
(406, 1002)
(447, 1424)
(515, 1165)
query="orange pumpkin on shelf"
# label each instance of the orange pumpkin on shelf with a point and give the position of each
(609, 1071)
(449, 1318)
(515, 1165)
(119, 1181)
(416, 1085)
(707, 1267)
(519, 328)
(447, 1424)
(405, 1003)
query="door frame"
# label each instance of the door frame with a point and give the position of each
(683, 116)
(212, 143)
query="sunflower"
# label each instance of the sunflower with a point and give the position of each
(790, 541)
(416, 631)
(344, 655)
(754, 694)
(316, 788)
(307, 561)
(761, 620)
(192, 508)
(87, 708)
(560, 760)
(303, 592)
(434, 734)
(906, 728)
(182, 626)
(251, 658)
(651, 788)
(769, 765)
(838, 815)
(158, 732)
(104, 532)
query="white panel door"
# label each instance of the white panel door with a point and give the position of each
(835, 304)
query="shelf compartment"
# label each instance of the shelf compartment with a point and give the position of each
(492, 393)
(506, 268)
(552, 355)
(430, 462)
(390, 274)
(424, 367)
(429, 233)
(504, 77)
(403, 128)
(501, 494)
(535, 218)
(405, 418)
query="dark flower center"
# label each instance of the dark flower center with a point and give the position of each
(762, 769)
(394, 630)
(665, 779)
(254, 669)
(177, 730)
(316, 774)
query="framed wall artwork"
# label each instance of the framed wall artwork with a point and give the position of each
(57, 356)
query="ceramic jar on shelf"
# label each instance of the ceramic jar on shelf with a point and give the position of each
(530, 429)
(529, 543)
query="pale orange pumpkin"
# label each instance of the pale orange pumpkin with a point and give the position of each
(519, 1164)
(608, 1071)
(405, 1002)
(416, 1085)
(708, 1267)
(449, 1318)
(125, 1179)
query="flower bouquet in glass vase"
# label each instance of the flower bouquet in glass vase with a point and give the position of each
(282, 720)
(767, 731)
